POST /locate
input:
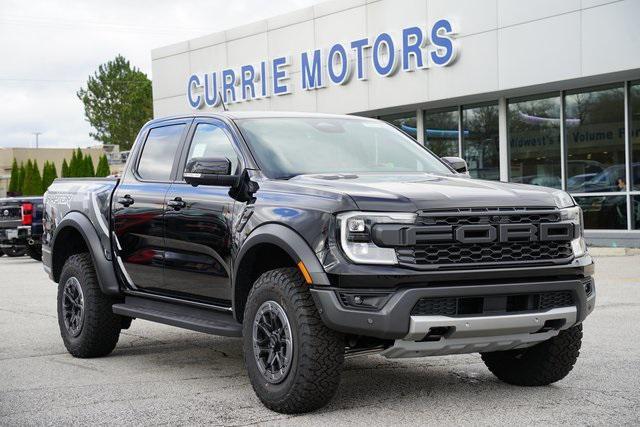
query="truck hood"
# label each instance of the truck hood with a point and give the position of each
(416, 191)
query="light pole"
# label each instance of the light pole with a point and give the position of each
(37, 134)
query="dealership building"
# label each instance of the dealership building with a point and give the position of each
(542, 92)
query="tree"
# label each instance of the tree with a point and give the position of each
(117, 102)
(36, 181)
(65, 169)
(103, 167)
(49, 173)
(76, 167)
(28, 187)
(22, 176)
(88, 170)
(15, 177)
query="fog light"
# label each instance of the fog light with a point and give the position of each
(364, 301)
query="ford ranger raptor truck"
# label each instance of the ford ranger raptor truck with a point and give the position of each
(314, 238)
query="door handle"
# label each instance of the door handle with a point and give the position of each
(177, 203)
(126, 201)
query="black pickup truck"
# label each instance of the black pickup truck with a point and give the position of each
(21, 226)
(315, 238)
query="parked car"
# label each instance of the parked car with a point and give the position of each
(314, 237)
(21, 226)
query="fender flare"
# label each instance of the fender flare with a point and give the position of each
(105, 271)
(289, 241)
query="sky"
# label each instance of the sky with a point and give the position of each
(48, 48)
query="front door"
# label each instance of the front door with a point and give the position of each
(138, 207)
(198, 222)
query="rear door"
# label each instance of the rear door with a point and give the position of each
(198, 221)
(138, 205)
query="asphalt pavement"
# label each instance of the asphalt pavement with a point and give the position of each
(164, 375)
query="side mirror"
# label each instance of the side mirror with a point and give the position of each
(457, 164)
(209, 171)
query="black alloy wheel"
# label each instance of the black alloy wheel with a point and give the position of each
(73, 306)
(272, 342)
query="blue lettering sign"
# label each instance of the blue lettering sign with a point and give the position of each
(229, 85)
(343, 76)
(384, 40)
(412, 43)
(279, 74)
(211, 90)
(269, 77)
(196, 102)
(248, 74)
(359, 46)
(311, 74)
(441, 38)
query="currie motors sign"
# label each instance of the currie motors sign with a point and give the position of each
(414, 49)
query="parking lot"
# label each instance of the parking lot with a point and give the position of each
(163, 375)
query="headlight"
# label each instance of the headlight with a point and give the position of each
(574, 215)
(355, 236)
(563, 199)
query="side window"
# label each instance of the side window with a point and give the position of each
(158, 152)
(211, 140)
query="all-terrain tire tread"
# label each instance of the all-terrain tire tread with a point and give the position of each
(101, 327)
(321, 350)
(542, 364)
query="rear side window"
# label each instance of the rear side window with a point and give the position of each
(159, 152)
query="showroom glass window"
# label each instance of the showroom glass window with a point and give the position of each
(634, 136)
(441, 132)
(480, 146)
(595, 139)
(405, 122)
(534, 141)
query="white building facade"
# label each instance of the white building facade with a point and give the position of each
(543, 92)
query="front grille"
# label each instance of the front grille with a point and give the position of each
(431, 252)
(476, 253)
(486, 216)
(491, 305)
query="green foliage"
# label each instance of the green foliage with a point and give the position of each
(15, 177)
(117, 102)
(36, 181)
(103, 167)
(32, 180)
(22, 175)
(88, 170)
(76, 166)
(49, 173)
(65, 169)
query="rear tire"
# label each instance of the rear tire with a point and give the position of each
(542, 364)
(88, 326)
(312, 357)
(35, 252)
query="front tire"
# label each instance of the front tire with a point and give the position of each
(88, 326)
(293, 360)
(542, 364)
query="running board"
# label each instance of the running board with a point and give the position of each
(183, 316)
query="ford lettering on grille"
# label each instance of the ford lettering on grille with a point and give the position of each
(468, 239)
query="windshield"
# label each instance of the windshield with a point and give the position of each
(289, 146)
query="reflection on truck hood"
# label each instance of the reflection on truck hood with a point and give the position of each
(413, 191)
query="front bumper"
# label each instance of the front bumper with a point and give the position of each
(394, 321)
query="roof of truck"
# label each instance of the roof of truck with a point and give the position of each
(260, 114)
